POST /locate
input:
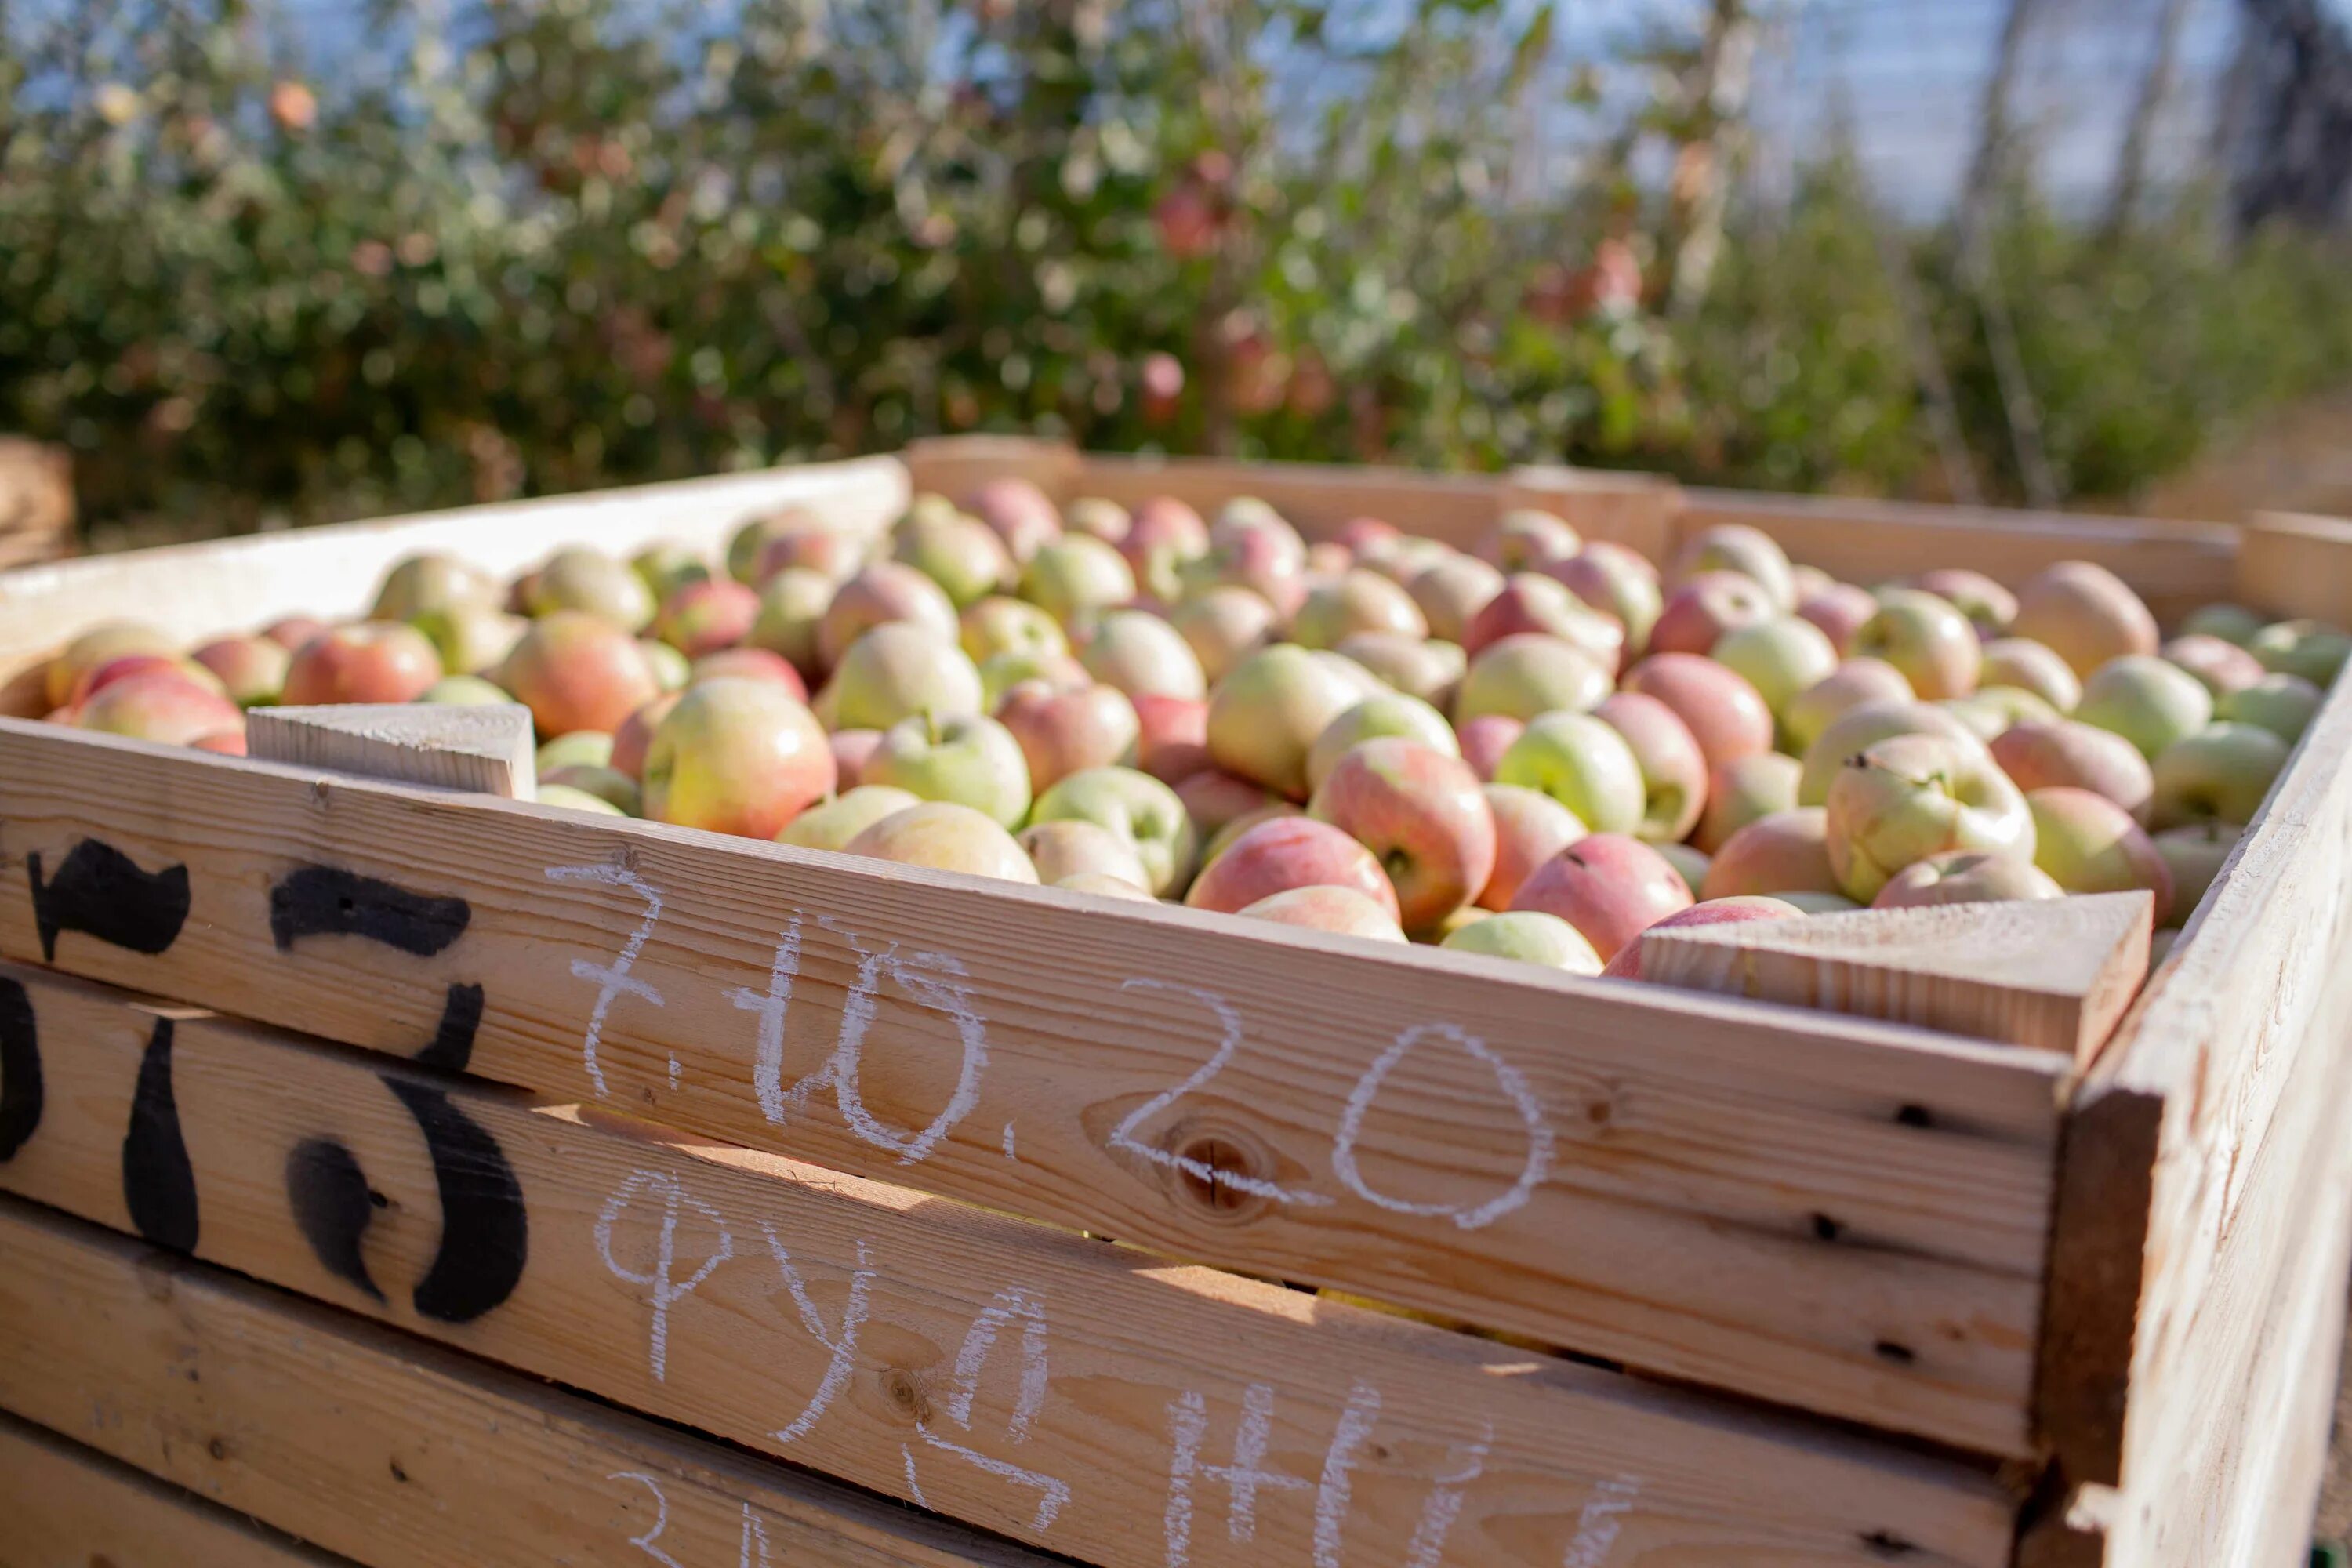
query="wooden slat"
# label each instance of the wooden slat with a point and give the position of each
(63, 1507)
(391, 1451)
(2055, 973)
(1843, 1214)
(485, 749)
(2198, 1268)
(2291, 565)
(2176, 566)
(1057, 1389)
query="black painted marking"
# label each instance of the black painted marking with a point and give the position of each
(20, 1068)
(101, 892)
(325, 900)
(453, 1042)
(158, 1185)
(333, 1208)
(485, 1233)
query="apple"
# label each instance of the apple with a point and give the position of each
(1529, 936)
(1225, 836)
(945, 837)
(463, 691)
(1067, 847)
(1725, 715)
(747, 664)
(2084, 613)
(570, 797)
(1341, 910)
(1967, 877)
(2194, 852)
(1451, 590)
(1931, 643)
(672, 669)
(1616, 581)
(1525, 538)
(1992, 710)
(1104, 885)
(579, 748)
(1855, 681)
(1162, 534)
(832, 552)
(1528, 674)
(1530, 603)
(1697, 614)
(750, 541)
(737, 756)
(1627, 965)
(886, 593)
(791, 612)
(1421, 812)
(1840, 609)
(968, 759)
(251, 669)
(1779, 658)
(852, 750)
(1610, 887)
(703, 618)
(161, 704)
(1743, 790)
(1428, 670)
(470, 638)
(1368, 538)
(1286, 852)
(1390, 713)
(1906, 798)
(1780, 852)
(1265, 716)
(2232, 624)
(1584, 764)
(999, 673)
(1989, 606)
(1212, 799)
(613, 787)
(635, 736)
(2033, 666)
(1484, 739)
(367, 661)
(2222, 772)
(1171, 741)
(1222, 626)
(585, 579)
(897, 670)
(1247, 550)
(1142, 654)
(960, 553)
(1734, 547)
(2145, 701)
(664, 567)
(2067, 754)
(1355, 601)
(1137, 807)
(111, 640)
(1673, 770)
(2223, 667)
(831, 824)
(291, 632)
(1061, 731)
(2307, 648)
(433, 580)
(95, 680)
(1017, 512)
(1531, 827)
(2283, 704)
(2088, 843)
(1866, 724)
(1076, 577)
(996, 625)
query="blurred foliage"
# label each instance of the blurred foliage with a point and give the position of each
(534, 247)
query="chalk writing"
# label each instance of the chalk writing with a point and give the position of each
(773, 1006)
(660, 1277)
(1598, 1522)
(1009, 1306)
(1514, 1085)
(1123, 1137)
(1248, 1477)
(100, 891)
(1443, 1505)
(20, 1068)
(843, 1345)
(645, 1542)
(1334, 1492)
(1188, 1423)
(1248, 1473)
(1052, 1495)
(754, 1531)
(612, 980)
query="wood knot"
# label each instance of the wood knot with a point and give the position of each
(1222, 1173)
(904, 1390)
(218, 1448)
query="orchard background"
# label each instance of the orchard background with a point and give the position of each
(497, 248)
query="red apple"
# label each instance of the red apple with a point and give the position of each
(852, 750)
(291, 632)
(2085, 613)
(1616, 581)
(1735, 547)
(749, 664)
(634, 737)
(1526, 539)
(1627, 965)
(252, 669)
(1484, 739)
(1531, 827)
(1531, 603)
(1171, 742)
(2065, 754)
(1162, 533)
(1289, 852)
(160, 704)
(1342, 910)
(578, 671)
(1609, 886)
(1697, 614)
(703, 618)
(2088, 843)
(1421, 812)
(882, 593)
(1018, 513)
(1727, 716)
(1989, 606)
(737, 756)
(2224, 667)
(1212, 799)
(1781, 852)
(1744, 790)
(1840, 609)
(1674, 769)
(368, 661)
(1966, 877)
(1856, 681)
(1063, 733)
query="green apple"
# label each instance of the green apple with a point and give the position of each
(1139, 654)
(2307, 648)
(2147, 701)
(1076, 577)
(2031, 667)
(1527, 674)
(1582, 762)
(1001, 673)
(2283, 704)
(2220, 773)
(1418, 666)
(791, 609)
(1690, 863)
(962, 554)
(2231, 623)
(1967, 877)
(667, 566)
(574, 799)
(673, 671)
(611, 785)
(899, 669)
(999, 624)
(1388, 713)
(833, 824)
(1866, 724)
(1895, 803)
(1856, 681)
(1743, 790)
(581, 577)
(945, 837)
(1451, 589)
(2088, 843)
(1139, 809)
(430, 582)
(1222, 626)
(967, 759)
(1264, 716)
(1925, 638)
(1356, 601)
(576, 749)
(1780, 658)
(463, 691)
(1530, 936)
(469, 637)
(1067, 846)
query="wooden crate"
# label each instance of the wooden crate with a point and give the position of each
(455, 1098)
(37, 502)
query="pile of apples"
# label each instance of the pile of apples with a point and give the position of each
(1538, 748)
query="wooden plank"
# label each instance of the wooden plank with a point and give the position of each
(2197, 1270)
(2294, 566)
(486, 749)
(2176, 566)
(1055, 1388)
(66, 1508)
(1843, 1214)
(200, 590)
(395, 1452)
(2056, 974)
